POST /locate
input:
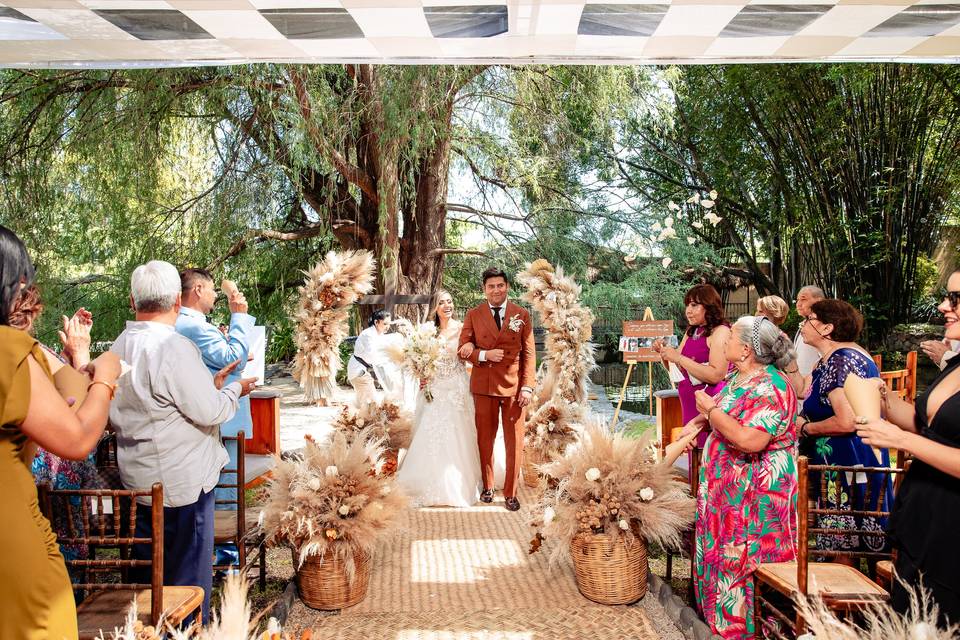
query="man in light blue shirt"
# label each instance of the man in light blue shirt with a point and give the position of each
(218, 350)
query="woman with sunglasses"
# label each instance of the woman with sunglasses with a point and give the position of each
(926, 514)
(828, 428)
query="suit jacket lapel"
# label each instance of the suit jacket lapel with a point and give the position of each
(484, 310)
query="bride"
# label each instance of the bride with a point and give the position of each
(442, 465)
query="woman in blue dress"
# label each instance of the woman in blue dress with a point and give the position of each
(828, 430)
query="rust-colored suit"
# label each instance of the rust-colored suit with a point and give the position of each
(496, 385)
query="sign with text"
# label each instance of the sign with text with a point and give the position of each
(638, 337)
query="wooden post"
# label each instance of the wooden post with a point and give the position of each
(648, 315)
(623, 391)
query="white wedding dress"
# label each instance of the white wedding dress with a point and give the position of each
(442, 466)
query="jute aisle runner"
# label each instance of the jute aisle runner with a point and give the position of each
(466, 573)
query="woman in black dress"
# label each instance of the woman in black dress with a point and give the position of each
(926, 513)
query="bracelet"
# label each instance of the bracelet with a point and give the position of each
(111, 387)
(710, 410)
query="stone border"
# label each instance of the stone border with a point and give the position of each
(686, 619)
(283, 606)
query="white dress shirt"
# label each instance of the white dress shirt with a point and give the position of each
(807, 356)
(369, 346)
(166, 413)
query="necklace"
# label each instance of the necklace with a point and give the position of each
(742, 380)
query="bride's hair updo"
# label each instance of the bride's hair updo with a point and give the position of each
(435, 301)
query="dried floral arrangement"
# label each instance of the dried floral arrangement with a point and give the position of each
(329, 290)
(553, 420)
(610, 484)
(386, 421)
(880, 622)
(233, 622)
(333, 500)
(419, 353)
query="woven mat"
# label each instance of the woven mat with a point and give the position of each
(467, 574)
(468, 560)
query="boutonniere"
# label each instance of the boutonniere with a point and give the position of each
(515, 323)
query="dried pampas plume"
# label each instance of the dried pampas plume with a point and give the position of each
(385, 420)
(557, 409)
(233, 622)
(337, 282)
(880, 622)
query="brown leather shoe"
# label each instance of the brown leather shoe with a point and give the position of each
(486, 496)
(511, 503)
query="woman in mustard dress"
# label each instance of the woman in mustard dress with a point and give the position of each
(36, 599)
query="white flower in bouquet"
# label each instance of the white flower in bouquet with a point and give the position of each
(646, 494)
(623, 524)
(331, 471)
(548, 515)
(592, 474)
(314, 484)
(421, 352)
(344, 510)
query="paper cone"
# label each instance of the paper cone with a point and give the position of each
(864, 397)
(229, 288)
(674, 450)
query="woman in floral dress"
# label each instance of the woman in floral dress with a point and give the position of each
(747, 500)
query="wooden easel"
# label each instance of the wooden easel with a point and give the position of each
(647, 315)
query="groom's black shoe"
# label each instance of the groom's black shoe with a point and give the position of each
(511, 503)
(486, 496)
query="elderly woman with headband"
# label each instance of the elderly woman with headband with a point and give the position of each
(747, 499)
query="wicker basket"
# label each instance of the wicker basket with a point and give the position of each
(531, 458)
(323, 583)
(608, 571)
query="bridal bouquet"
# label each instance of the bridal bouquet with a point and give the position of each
(420, 353)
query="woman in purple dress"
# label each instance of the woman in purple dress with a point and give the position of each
(700, 358)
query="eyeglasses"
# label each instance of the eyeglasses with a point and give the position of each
(809, 321)
(953, 297)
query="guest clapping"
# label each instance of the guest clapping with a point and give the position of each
(36, 600)
(166, 415)
(828, 427)
(747, 500)
(924, 522)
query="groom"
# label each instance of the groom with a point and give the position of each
(504, 367)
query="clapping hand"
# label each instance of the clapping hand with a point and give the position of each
(221, 376)
(667, 354)
(75, 337)
(935, 349)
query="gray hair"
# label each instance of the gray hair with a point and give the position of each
(154, 286)
(766, 340)
(814, 291)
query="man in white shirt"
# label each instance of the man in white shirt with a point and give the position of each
(807, 356)
(165, 413)
(367, 356)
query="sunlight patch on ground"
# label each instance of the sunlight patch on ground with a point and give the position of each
(461, 561)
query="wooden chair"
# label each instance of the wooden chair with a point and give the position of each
(843, 588)
(903, 382)
(238, 526)
(104, 528)
(669, 424)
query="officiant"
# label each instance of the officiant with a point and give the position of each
(218, 350)
(365, 368)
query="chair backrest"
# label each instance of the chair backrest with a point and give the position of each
(872, 493)
(902, 382)
(106, 519)
(234, 477)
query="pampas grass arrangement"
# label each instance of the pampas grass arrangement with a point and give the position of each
(333, 501)
(385, 421)
(330, 288)
(233, 622)
(553, 420)
(609, 484)
(880, 622)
